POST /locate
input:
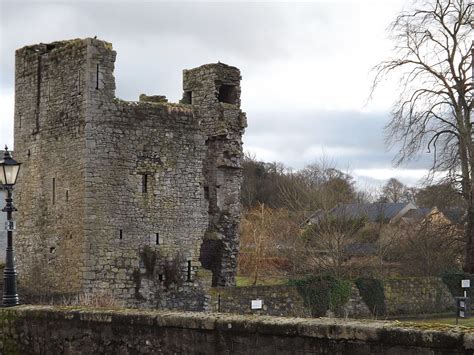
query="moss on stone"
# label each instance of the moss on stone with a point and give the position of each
(211, 235)
(432, 326)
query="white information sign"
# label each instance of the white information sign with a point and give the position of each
(256, 304)
(465, 283)
(10, 226)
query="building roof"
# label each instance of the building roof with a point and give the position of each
(418, 213)
(455, 215)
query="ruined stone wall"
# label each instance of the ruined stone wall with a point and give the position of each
(49, 141)
(146, 172)
(46, 330)
(214, 92)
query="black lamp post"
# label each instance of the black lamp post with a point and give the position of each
(9, 169)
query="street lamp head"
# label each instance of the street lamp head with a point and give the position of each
(9, 169)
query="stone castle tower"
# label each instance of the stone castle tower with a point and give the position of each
(139, 201)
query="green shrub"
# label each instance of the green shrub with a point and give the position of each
(322, 293)
(173, 270)
(372, 293)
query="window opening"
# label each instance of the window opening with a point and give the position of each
(227, 94)
(97, 77)
(188, 97)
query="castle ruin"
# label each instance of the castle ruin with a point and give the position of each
(136, 200)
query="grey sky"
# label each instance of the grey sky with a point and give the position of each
(305, 67)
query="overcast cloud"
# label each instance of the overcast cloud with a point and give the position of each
(305, 67)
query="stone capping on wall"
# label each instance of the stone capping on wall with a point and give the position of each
(384, 333)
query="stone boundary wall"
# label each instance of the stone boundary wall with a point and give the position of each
(403, 297)
(417, 295)
(276, 300)
(49, 330)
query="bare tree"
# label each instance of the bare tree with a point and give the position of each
(328, 242)
(426, 248)
(318, 185)
(433, 112)
(443, 196)
(395, 191)
(269, 242)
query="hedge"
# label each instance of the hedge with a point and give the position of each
(322, 293)
(372, 293)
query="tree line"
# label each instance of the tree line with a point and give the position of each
(322, 186)
(276, 239)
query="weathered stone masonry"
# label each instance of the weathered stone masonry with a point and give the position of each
(49, 330)
(214, 91)
(137, 200)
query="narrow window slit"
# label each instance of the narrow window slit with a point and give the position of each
(97, 78)
(188, 278)
(157, 239)
(144, 183)
(67, 195)
(121, 234)
(78, 82)
(54, 191)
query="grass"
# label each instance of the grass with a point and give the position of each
(243, 281)
(466, 322)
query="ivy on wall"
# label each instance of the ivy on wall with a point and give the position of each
(372, 293)
(453, 281)
(322, 293)
(163, 269)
